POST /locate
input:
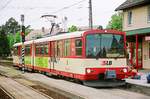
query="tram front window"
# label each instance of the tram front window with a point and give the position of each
(105, 46)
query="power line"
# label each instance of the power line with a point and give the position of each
(8, 2)
(29, 8)
(67, 7)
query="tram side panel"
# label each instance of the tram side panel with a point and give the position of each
(89, 69)
(28, 56)
(64, 59)
(70, 67)
(17, 56)
(41, 57)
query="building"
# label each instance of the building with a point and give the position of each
(39, 33)
(136, 24)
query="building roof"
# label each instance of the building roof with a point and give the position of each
(132, 3)
(41, 32)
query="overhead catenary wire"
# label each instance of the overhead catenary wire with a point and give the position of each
(3, 7)
(32, 8)
(67, 7)
(70, 6)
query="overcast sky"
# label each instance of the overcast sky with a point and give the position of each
(77, 14)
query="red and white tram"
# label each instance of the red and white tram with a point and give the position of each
(93, 56)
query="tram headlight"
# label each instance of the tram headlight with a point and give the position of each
(125, 70)
(88, 70)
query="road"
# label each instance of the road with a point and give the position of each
(68, 89)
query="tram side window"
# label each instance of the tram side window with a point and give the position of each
(78, 47)
(67, 47)
(59, 48)
(27, 50)
(42, 49)
(46, 49)
(38, 50)
(55, 48)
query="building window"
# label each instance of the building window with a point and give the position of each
(148, 12)
(129, 17)
(78, 47)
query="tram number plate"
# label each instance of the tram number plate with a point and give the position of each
(106, 63)
(110, 74)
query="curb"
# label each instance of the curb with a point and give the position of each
(138, 88)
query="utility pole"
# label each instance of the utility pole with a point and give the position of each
(23, 40)
(14, 35)
(90, 15)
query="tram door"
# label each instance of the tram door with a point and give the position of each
(52, 57)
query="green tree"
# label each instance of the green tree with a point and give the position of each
(115, 22)
(73, 28)
(4, 47)
(12, 29)
(10, 34)
(11, 26)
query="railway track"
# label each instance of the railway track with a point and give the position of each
(58, 88)
(10, 77)
(14, 90)
(4, 94)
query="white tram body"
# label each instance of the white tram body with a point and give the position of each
(83, 55)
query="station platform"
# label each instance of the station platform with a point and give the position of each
(139, 85)
(142, 81)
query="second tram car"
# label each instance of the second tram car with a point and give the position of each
(96, 57)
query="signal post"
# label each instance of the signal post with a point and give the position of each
(23, 40)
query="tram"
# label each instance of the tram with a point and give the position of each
(95, 57)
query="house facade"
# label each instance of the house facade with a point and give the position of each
(136, 24)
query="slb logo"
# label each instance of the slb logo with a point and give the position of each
(106, 63)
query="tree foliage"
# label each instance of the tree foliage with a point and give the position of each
(115, 22)
(4, 47)
(10, 34)
(11, 26)
(73, 28)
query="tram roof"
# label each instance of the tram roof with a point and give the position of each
(17, 44)
(25, 43)
(60, 36)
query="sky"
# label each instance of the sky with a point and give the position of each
(76, 11)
